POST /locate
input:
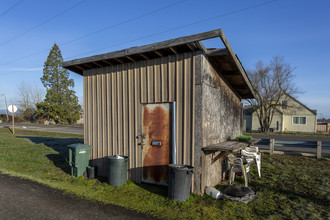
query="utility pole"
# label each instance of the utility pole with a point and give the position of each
(4, 96)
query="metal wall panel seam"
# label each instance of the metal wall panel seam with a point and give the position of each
(157, 81)
(90, 112)
(137, 74)
(85, 89)
(109, 125)
(124, 110)
(99, 114)
(120, 108)
(179, 101)
(114, 111)
(193, 66)
(130, 118)
(94, 112)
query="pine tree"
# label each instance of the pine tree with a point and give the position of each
(61, 103)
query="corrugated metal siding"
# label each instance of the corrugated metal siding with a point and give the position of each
(113, 98)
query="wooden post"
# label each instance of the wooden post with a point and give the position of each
(271, 146)
(4, 96)
(319, 150)
(13, 117)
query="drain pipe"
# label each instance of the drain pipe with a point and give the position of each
(174, 133)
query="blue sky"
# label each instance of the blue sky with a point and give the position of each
(298, 30)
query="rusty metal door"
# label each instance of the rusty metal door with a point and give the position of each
(156, 151)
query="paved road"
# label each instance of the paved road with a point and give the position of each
(24, 199)
(301, 144)
(288, 137)
(51, 128)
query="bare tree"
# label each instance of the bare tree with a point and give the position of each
(29, 96)
(271, 83)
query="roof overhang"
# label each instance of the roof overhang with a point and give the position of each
(224, 60)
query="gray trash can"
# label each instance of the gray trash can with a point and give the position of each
(117, 170)
(179, 181)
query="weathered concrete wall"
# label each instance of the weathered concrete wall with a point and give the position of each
(218, 118)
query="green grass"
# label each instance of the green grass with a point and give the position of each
(291, 187)
(289, 134)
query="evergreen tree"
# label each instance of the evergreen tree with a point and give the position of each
(61, 103)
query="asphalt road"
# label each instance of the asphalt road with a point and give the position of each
(24, 199)
(50, 128)
(289, 137)
(299, 144)
(304, 144)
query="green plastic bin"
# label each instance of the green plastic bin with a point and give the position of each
(244, 138)
(79, 158)
(117, 170)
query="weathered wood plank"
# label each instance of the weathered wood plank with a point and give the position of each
(319, 150)
(231, 146)
(271, 146)
(237, 62)
(146, 48)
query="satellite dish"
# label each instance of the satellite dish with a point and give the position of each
(10, 108)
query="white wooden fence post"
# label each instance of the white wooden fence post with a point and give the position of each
(271, 146)
(319, 150)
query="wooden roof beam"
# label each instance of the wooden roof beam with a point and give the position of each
(201, 46)
(144, 56)
(79, 67)
(217, 52)
(88, 66)
(118, 60)
(99, 65)
(192, 47)
(173, 50)
(107, 62)
(130, 58)
(237, 62)
(158, 53)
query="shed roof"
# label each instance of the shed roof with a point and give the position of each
(224, 59)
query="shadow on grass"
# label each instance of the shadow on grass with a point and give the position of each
(152, 188)
(60, 146)
(291, 194)
(155, 189)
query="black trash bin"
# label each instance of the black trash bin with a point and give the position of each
(179, 181)
(117, 170)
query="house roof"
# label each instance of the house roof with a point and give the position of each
(314, 112)
(223, 59)
(248, 110)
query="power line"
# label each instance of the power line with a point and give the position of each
(42, 23)
(11, 8)
(98, 31)
(178, 27)
(169, 30)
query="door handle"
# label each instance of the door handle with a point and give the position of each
(141, 136)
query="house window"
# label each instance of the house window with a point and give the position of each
(299, 120)
(284, 104)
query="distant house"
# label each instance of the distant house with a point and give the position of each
(291, 116)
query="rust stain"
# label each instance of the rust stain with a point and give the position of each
(156, 127)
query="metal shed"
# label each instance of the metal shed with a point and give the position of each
(131, 92)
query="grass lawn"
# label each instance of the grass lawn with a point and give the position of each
(291, 187)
